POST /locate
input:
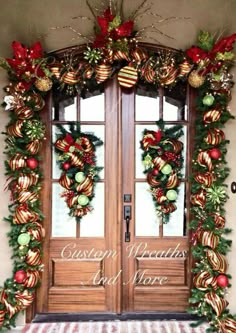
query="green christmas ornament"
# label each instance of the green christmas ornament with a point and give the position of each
(83, 200)
(171, 195)
(23, 239)
(208, 100)
(79, 177)
(166, 170)
(35, 129)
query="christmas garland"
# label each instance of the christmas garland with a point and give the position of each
(116, 50)
(163, 162)
(76, 159)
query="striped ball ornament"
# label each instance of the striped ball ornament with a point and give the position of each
(127, 77)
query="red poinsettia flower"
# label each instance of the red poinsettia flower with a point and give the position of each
(125, 29)
(103, 21)
(110, 27)
(23, 64)
(224, 45)
(196, 54)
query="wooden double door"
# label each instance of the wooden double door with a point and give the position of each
(95, 265)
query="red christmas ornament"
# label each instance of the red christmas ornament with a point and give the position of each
(66, 165)
(155, 172)
(215, 153)
(20, 276)
(32, 163)
(222, 281)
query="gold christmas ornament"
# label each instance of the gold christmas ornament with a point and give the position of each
(43, 84)
(195, 79)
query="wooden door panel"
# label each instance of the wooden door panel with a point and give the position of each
(162, 271)
(164, 298)
(79, 272)
(77, 299)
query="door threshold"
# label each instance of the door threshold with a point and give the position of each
(75, 317)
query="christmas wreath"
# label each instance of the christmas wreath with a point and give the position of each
(163, 162)
(77, 160)
(115, 49)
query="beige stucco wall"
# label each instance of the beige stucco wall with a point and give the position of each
(28, 20)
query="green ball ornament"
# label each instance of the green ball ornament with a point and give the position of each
(208, 100)
(79, 177)
(83, 200)
(166, 170)
(23, 239)
(171, 195)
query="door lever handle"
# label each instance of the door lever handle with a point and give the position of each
(127, 217)
(127, 233)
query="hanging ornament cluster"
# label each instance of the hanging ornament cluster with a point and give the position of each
(163, 161)
(209, 171)
(79, 172)
(116, 50)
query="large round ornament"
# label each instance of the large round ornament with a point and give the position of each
(222, 281)
(127, 76)
(171, 195)
(83, 200)
(32, 163)
(208, 100)
(20, 276)
(23, 239)
(79, 177)
(166, 170)
(215, 153)
(195, 79)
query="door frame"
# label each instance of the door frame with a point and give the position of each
(31, 312)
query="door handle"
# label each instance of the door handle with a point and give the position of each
(127, 217)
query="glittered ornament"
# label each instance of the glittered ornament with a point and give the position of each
(195, 79)
(83, 200)
(79, 177)
(127, 77)
(171, 195)
(20, 276)
(43, 84)
(222, 281)
(23, 239)
(166, 170)
(32, 163)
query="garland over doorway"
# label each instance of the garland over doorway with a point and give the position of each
(115, 49)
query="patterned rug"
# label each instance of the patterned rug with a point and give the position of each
(172, 326)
